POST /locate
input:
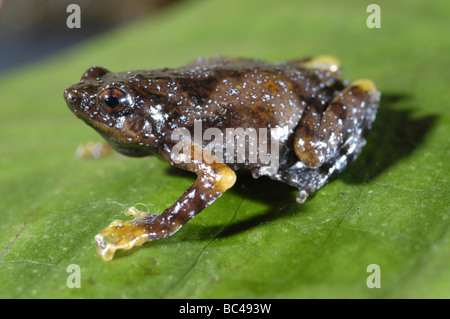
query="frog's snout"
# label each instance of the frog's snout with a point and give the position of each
(73, 99)
(71, 96)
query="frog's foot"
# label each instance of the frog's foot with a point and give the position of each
(93, 149)
(125, 234)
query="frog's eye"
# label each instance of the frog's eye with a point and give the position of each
(114, 100)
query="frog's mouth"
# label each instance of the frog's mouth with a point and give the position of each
(117, 142)
(129, 150)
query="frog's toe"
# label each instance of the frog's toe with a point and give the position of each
(138, 214)
(367, 86)
(323, 63)
(302, 196)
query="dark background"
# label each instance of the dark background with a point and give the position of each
(33, 29)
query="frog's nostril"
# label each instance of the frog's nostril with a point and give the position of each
(71, 95)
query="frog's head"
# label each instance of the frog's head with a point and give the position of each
(107, 102)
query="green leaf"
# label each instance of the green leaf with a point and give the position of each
(390, 207)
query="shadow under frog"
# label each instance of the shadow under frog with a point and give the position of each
(395, 135)
(274, 194)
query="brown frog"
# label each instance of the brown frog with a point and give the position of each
(296, 122)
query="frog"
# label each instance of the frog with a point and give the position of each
(318, 124)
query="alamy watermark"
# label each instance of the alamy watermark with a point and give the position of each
(74, 279)
(73, 21)
(374, 19)
(374, 279)
(233, 145)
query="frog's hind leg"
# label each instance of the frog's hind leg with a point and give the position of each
(348, 117)
(309, 180)
(325, 142)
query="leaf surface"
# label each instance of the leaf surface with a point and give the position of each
(390, 207)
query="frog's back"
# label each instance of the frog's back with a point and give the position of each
(231, 92)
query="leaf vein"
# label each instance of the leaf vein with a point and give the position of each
(14, 239)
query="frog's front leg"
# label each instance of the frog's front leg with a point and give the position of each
(213, 179)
